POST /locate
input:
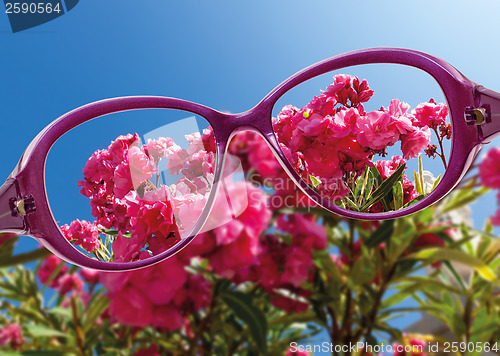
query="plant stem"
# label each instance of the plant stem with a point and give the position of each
(440, 140)
(80, 338)
(378, 300)
(347, 321)
(205, 325)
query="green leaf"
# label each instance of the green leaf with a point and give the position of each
(33, 353)
(436, 182)
(397, 193)
(315, 181)
(242, 306)
(418, 185)
(94, 311)
(363, 271)
(25, 257)
(361, 186)
(436, 254)
(421, 174)
(463, 197)
(382, 234)
(43, 331)
(64, 312)
(385, 188)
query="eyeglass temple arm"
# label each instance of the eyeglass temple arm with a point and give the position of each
(485, 114)
(13, 208)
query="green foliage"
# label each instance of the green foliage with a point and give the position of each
(352, 299)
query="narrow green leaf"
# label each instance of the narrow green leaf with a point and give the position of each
(436, 254)
(94, 311)
(397, 193)
(382, 234)
(43, 331)
(421, 174)
(25, 257)
(242, 306)
(436, 182)
(315, 181)
(418, 186)
(385, 188)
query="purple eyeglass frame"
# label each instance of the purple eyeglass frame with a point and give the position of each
(24, 206)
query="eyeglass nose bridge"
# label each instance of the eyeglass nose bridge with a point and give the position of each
(257, 119)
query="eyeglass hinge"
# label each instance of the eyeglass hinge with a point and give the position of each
(476, 116)
(23, 206)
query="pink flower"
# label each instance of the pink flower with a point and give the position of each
(89, 275)
(84, 234)
(176, 157)
(118, 149)
(240, 253)
(495, 219)
(143, 297)
(195, 143)
(198, 164)
(11, 335)
(342, 123)
(387, 168)
(306, 231)
(152, 284)
(70, 282)
(489, 169)
(141, 166)
(126, 249)
(208, 139)
(282, 124)
(375, 130)
(194, 295)
(333, 189)
(131, 307)
(156, 223)
(262, 159)
(289, 305)
(48, 267)
(430, 114)
(159, 148)
(99, 167)
(123, 180)
(347, 87)
(297, 353)
(313, 125)
(416, 346)
(168, 317)
(296, 269)
(150, 351)
(321, 161)
(401, 116)
(415, 141)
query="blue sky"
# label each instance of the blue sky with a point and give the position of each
(223, 54)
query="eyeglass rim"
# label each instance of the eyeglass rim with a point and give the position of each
(29, 175)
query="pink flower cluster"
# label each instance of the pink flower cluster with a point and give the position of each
(64, 282)
(11, 335)
(143, 215)
(262, 168)
(163, 295)
(333, 137)
(489, 172)
(82, 233)
(417, 347)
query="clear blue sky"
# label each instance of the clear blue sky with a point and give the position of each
(224, 54)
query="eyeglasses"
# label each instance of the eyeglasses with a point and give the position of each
(371, 134)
